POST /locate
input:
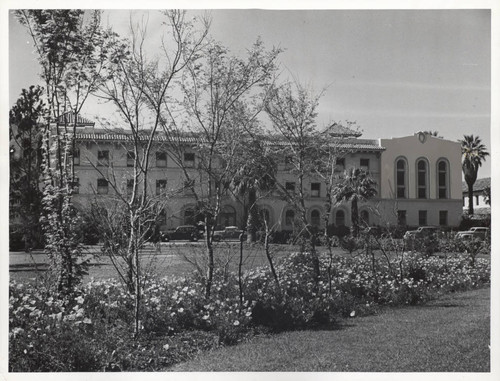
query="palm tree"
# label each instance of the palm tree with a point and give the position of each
(356, 186)
(256, 174)
(473, 155)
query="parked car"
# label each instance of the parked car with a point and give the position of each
(421, 232)
(184, 232)
(229, 233)
(474, 232)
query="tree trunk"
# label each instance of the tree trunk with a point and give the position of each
(210, 254)
(252, 215)
(354, 217)
(471, 197)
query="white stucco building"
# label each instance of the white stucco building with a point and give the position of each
(418, 179)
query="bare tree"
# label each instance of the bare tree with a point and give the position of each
(292, 110)
(222, 95)
(140, 87)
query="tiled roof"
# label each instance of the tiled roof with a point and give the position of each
(126, 137)
(69, 118)
(344, 144)
(340, 131)
(479, 185)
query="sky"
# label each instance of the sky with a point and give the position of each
(393, 72)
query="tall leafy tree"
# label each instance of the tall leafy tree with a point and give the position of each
(473, 155)
(25, 120)
(71, 48)
(255, 177)
(356, 186)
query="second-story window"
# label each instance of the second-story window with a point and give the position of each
(340, 164)
(189, 159)
(422, 179)
(290, 186)
(76, 157)
(161, 186)
(364, 164)
(161, 159)
(442, 171)
(103, 158)
(102, 186)
(76, 185)
(130, 158)
(401, 178)
(315, 189)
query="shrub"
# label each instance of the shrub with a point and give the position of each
(92, 329)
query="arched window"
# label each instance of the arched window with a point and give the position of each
(365, 218)
(315, 217)
(189, 217)
(340, 218)
(401, 178)
(227, 216)
(289, 217)
(442, 178)
(422, 183)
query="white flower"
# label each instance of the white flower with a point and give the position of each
(236, 323)
(181, 310)
(166, 347)
(352, 314)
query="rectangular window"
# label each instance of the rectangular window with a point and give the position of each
(422, 217)
(76, 157)
(443, 217)
(76, 185)
(290, 186)
(340, 164)
(364, 164)
(130, 158)
(102, 186)
(103, 158)
(161, 187)
(315, 189)
(161, 159)
(189, 159)
(402, 217)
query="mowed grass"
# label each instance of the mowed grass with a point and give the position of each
(168, 259)
(451, 334)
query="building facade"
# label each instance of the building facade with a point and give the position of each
(418, 181)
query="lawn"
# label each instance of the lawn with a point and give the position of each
(167, 259)
(451, 334)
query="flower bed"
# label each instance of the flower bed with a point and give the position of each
(91, 331)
